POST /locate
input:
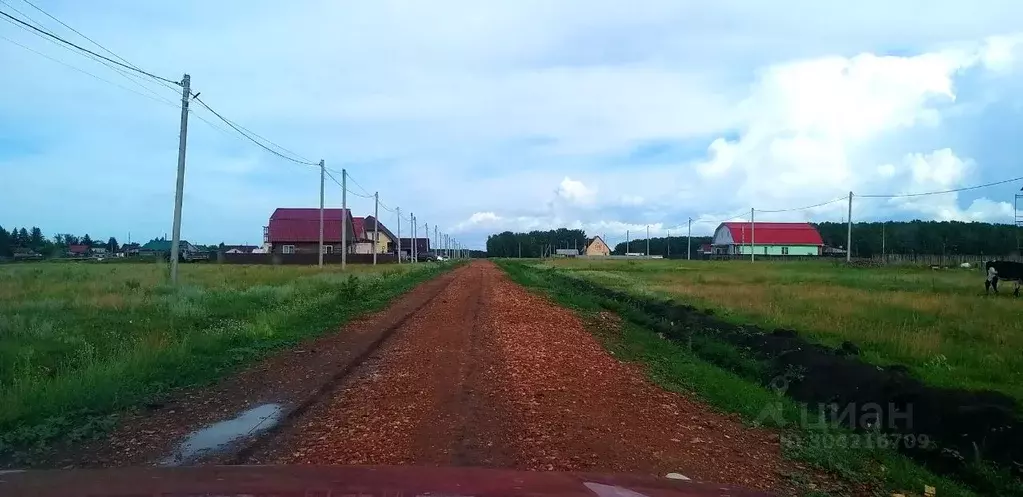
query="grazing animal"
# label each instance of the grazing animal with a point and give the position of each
(1003, 270)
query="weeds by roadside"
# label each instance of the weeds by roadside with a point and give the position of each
(79, 344)
(725, 382)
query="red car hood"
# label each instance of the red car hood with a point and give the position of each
(362, 481)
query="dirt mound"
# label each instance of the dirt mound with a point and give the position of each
(961, 426)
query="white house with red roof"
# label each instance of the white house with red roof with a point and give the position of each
(767, 239)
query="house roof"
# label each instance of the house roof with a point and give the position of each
(78, 249)
(163, 245)
(774, 233)
(371, 222)
(591, 240)
(359, 226)
(303, 225)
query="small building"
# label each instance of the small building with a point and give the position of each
(238, 249)
(743, 238)
(422, 246)
(162, 248)
(297, 230)
(566, 252)
(78, 250)
(596, 246)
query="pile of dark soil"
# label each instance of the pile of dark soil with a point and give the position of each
(962, 426)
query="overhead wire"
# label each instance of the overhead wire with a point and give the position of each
(804, 208)
(79, 33)
(133, 78)
(83, 71)
(86, 50)
(238, 128)
(941, 192)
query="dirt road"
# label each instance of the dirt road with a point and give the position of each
(470, 369)
(488, 374)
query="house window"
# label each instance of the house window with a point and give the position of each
(328, 249)
(784, 251)
(288, 249)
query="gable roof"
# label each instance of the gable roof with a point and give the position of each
(774, 233)
(164, 246)
(422, 245)
(371, 223)
(303, 225)
(359, 226)
(78, 249)
(595, 238)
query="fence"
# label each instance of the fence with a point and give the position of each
(943, 260)
(301, 259)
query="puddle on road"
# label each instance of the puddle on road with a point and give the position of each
(218, 436)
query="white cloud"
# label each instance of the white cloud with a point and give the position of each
(507, 109)
(576, 193)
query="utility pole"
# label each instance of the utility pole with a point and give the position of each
(436, 239)
(344, 218)
(848, 236)
(179, 189)
(667, 246)
(376, 226)
(415, 249)
(427, 227)
(520, 250)
(322, 172)
(882, 240)
(628, 246)
(397, 211)
(752, 235)
(689, 241)
(648, 240)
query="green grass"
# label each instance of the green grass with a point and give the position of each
(80, 342)
(697, 369)
(936, 322)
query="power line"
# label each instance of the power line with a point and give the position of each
(86, 50)
(128, 76)
(903, 195)
(253, 140)
(804, 208)
(83, 71)
(79, 33)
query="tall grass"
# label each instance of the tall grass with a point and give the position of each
(79, 341)
(936, 322)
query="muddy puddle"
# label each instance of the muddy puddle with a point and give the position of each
(222, 435)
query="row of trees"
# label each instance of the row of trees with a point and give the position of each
(868, 240)
(32, 240)
(661, 246)
(535, 243)
(924, 237)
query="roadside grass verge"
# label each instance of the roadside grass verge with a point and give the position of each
(79, 343)
(729, 380)
(938, 323)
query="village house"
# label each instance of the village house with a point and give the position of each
(789, 239)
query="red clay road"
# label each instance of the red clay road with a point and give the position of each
(489, 374)
(469, 369)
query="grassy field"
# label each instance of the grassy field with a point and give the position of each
(936, 322)
(699, 372)
(79, 342)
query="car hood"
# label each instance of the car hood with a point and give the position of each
(363, 481)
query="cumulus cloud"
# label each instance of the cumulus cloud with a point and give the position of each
(518, 114)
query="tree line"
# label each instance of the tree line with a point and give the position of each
(868, 239)
(924, 237)
(32, 241)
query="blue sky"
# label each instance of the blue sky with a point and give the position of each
(518, 114)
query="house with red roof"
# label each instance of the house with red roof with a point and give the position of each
(297, 230)
(767, 239)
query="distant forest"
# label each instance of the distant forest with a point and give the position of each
(896, 237)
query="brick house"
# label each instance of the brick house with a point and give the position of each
(596, 246)
(297, 230)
